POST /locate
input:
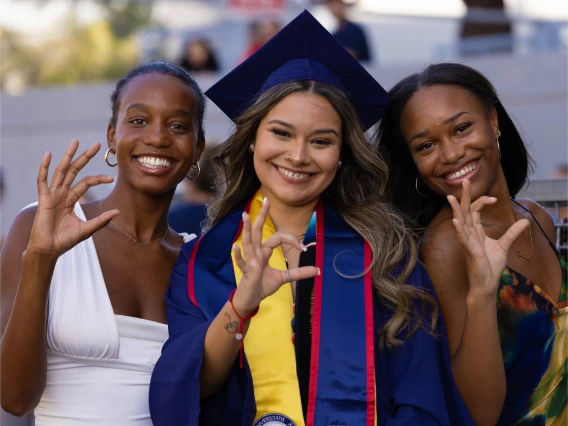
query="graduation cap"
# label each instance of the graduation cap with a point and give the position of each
(302, 50)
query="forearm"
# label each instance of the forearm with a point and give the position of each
(477, 365)
(220, 350)
(23, 353)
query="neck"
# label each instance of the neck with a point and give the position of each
(291, 219)
(143, 216)
(503, 210)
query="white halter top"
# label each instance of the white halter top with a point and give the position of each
(98, 364)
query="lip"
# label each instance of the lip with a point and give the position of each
(469, 175)
(154, 172)
(289, 179)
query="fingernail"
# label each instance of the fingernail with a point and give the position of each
(304, 248)
(234, 246)
(264, 201)
(319, 271)
(244, 215)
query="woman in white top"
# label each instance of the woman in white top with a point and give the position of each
(83, 312)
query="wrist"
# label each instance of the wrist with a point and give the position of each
(474, 300)
(34, 257)
(242, 308)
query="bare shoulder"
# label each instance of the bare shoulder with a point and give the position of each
(14, 245)
(443, 255)
(542, 216)
(440, 239)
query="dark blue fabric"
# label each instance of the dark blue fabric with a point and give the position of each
(414, 383)
(351, 36)
(188, 218)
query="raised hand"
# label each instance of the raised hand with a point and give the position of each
(485, 257)
(56, 228)
(259, 279)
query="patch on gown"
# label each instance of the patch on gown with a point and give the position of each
(274, 419)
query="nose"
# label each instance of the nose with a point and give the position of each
(298, 153)
(452, 151)
(157, 135)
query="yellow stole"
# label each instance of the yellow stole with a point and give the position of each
(268, 342)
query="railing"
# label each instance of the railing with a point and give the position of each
(553, 195)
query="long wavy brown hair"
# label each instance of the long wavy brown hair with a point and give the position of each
(356, 194)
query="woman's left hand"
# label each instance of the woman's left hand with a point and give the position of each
(485, 257)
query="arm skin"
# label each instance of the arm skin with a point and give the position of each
(473, 335)
(26, 277)
(221, 349)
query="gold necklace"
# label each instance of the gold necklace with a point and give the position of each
(519, 252)
(137, 243)
(299, 237)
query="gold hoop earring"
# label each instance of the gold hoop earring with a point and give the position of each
(195, 167)
(498, 147)
(251, 148)
(111, 153)
(419, 193)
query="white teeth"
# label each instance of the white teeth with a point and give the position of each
(153, 162)
(293, 175)
(460, 173)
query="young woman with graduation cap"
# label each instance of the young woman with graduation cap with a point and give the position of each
(447, 137)
(303, 303)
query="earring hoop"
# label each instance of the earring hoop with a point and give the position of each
(419, 193)
(111, 153)
(251, 148)
(195, 167)
(498, 147)
(339, 164)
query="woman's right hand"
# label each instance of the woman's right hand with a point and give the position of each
(259, 279)
(56, 228)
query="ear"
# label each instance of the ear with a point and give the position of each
(199, 148)
(111, 134)
(494, 121)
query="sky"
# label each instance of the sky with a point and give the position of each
(27, 17)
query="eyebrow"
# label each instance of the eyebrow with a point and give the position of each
(446, 121)
(144, 106)
(315, 132)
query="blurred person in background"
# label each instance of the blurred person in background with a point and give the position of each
(83, 314)
(259, 33)
(189, 215)
(448, 138)
(486, 18)
(349, 34)
(199, 56)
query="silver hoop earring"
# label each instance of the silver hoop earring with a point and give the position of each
(111, 153)
(498, 147)
(196, 167)
(419, 193)
(251, 148)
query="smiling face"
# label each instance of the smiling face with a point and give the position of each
(297, 148)
(452, 136)
(156, 132)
